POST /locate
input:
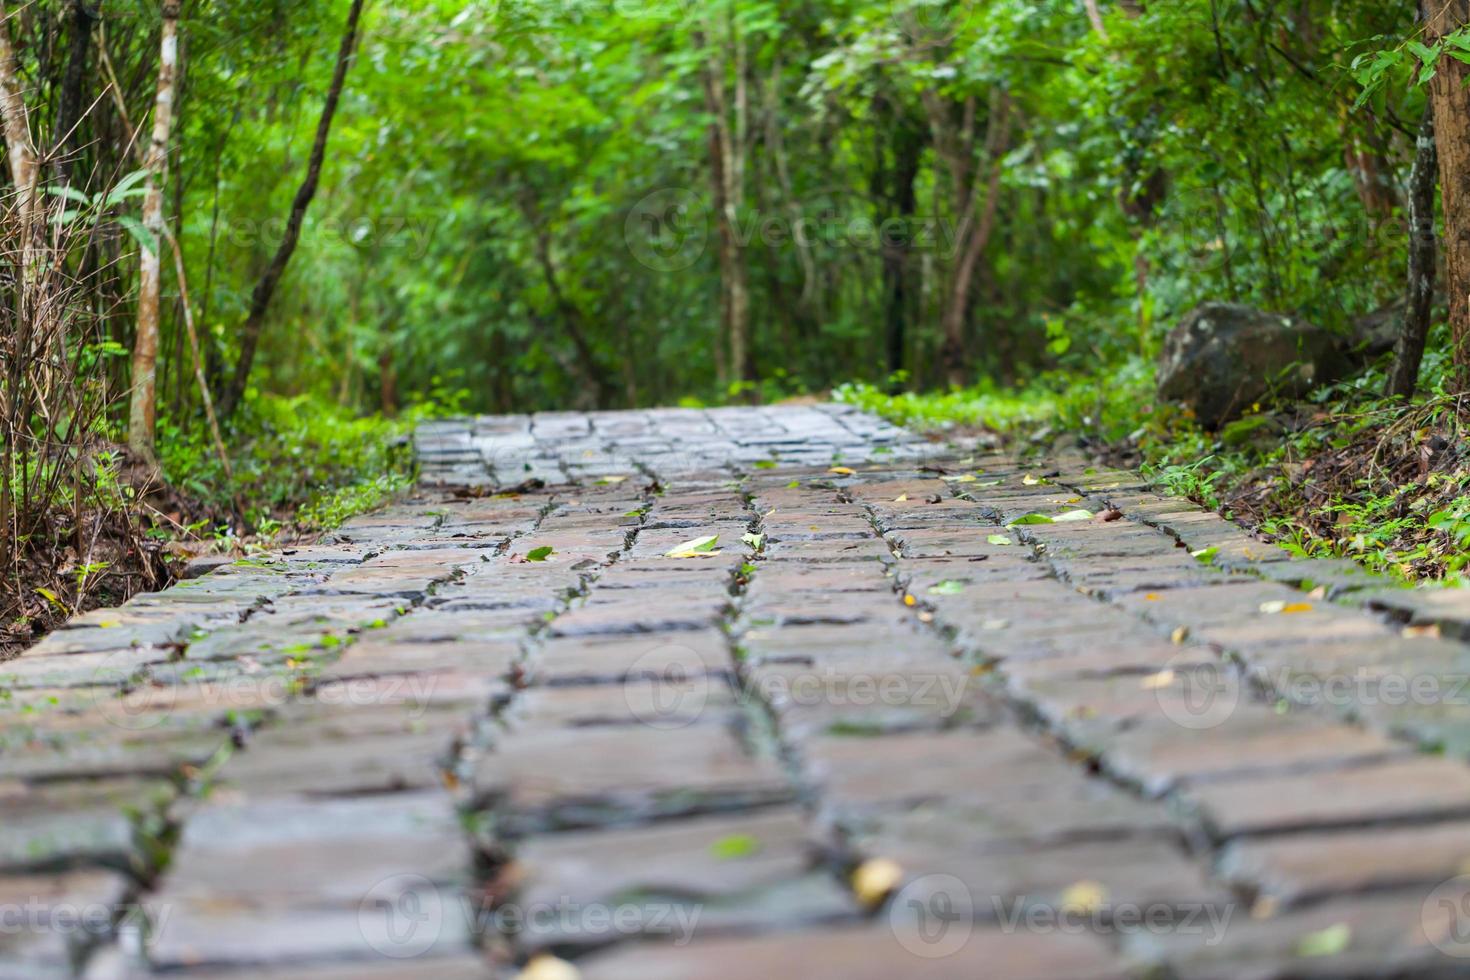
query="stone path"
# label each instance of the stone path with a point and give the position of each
(914, 713)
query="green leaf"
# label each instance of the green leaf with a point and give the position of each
(1206, 555)
(1326, 942)
(1030, 519)
(950, 586)
(754, 540)
(539, 554)
(141, 235)
(735, 846)
(1073, 515)
(999, 539)
(764, 464)
(695, 548)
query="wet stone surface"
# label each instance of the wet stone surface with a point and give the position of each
(746, 693)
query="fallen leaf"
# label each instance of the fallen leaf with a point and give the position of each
(1205, 555)
(1179, 635)
(735, 846)
(544, 966)
(1152, 597)
(752, 539)
(900, 498)
(874, 879)
(1030, 519)
(697, 548)
(1084, 896)
(1297, 607)
(842, 470)
(963, 478)
(1265, 907)
(1035, 481)
(989, 483)
(540, 554)
(1073, 515)
(1155, 681)
(1431, 630)
(1325, 942)
(611, 479)
(999, 539)
(949, 586)
(909, 600)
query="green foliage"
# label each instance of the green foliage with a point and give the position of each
(300, 454)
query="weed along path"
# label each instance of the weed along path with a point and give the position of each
(746, 693)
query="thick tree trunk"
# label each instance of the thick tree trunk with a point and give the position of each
(143, 403)
(260, 299)
(1451, 102)
(971, 238)
(1409, 349)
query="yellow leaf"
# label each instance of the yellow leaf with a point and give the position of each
(842, 470)
(874, 879)
(1155, 681)
(1430, 630)
(1179, 635)
(900, 498)
(544, 966)
(909, 600)
(1152, 597)
(1296, 607)
(1084, 896)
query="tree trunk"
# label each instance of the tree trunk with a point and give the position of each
(1409, 348)
(69, 109)
(726, 151)
(264, 289)
(908, 150)
(24, 170)
(143, 403)
(1451, 102)
(971, 238)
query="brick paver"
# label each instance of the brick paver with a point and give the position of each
(919, 711)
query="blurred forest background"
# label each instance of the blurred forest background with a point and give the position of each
(254, 239)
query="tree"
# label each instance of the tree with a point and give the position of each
(976, 190)
(1409, 347)
(25, 171)
(1451, 103)
(143, 401)
(260, 299)
(727, 175)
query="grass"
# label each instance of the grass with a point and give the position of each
(1345, 473)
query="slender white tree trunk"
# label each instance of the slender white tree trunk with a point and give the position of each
(143, 408)
(24, 168)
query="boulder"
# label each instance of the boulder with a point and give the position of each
(1223, 357)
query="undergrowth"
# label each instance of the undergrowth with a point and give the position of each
(1344, 473)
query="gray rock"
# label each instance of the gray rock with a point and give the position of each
(1222, 358)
